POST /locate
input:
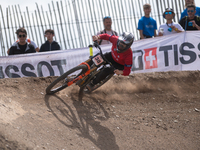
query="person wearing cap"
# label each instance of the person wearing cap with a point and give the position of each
(189, 2)
(107, 22)
(147, 26)
(190, 22)
(169, 27)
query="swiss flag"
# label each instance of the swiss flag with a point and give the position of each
(150, 58)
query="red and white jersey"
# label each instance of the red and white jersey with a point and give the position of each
(125, 58)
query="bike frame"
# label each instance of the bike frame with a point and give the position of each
(89, 69)
(86, 72)
(80, 76)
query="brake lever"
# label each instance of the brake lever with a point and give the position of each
(96, 44)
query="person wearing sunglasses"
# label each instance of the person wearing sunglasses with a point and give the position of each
(21, 47)
(147, 26)
(169, 27)
(107, 22)
(189, 2)
(30, 42)
(190, 22)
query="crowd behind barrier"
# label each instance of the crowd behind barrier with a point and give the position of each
(147, 28)
(174, 52)
(82, 36)
(24, 45)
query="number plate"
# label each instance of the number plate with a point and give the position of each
(97, 60)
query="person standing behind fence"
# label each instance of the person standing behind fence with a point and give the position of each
(189, 2)
(50, 44)
(147, 26)
(169, 27)
(107, 22)
(190, 22)
(21, 47)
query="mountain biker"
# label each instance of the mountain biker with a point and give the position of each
(120, 56)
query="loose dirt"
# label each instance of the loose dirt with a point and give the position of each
(139, 112)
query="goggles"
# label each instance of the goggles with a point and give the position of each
(106, 17)
(122, 45)
(168, 12)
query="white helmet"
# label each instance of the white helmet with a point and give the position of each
(124, 42)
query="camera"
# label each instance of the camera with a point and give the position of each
(170, 29)
(161, 30)
(190, 24)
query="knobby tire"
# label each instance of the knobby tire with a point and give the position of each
(81, 91)
(50, 89)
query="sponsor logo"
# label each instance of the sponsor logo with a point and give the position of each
(169, 55)
(28, 70)
(150, 58)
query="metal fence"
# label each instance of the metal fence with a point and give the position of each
(75, 21)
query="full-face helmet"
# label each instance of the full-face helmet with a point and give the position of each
(124, 42)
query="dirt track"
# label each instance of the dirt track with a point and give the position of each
(142, 111)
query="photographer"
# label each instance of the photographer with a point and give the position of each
(190, 22)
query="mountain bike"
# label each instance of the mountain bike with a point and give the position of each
(82, 74)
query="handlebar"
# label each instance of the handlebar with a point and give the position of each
(96, 44)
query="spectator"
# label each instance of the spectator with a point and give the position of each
(22, 46)
(107, 22)
(169, 27)
(188, 2)
(50, 44)
(190, 22)
(30, 42)
(147, 26)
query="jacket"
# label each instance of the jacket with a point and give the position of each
(49, 46)
(15, 49)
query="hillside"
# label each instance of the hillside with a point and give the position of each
(142, 111)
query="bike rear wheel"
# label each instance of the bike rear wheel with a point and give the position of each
(84, 89)
(61, 82)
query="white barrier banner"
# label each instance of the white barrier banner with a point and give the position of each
(175, 52)
(44, 64)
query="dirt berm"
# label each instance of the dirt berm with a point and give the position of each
(158, 111)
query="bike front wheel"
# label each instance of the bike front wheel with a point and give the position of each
(61, 82)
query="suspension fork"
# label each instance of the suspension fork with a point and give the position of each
(82, 75)
(86, 78)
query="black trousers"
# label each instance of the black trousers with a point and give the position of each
(146, 36)
(108, 70)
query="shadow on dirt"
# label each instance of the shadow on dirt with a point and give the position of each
(11, 145)
(85, 118)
